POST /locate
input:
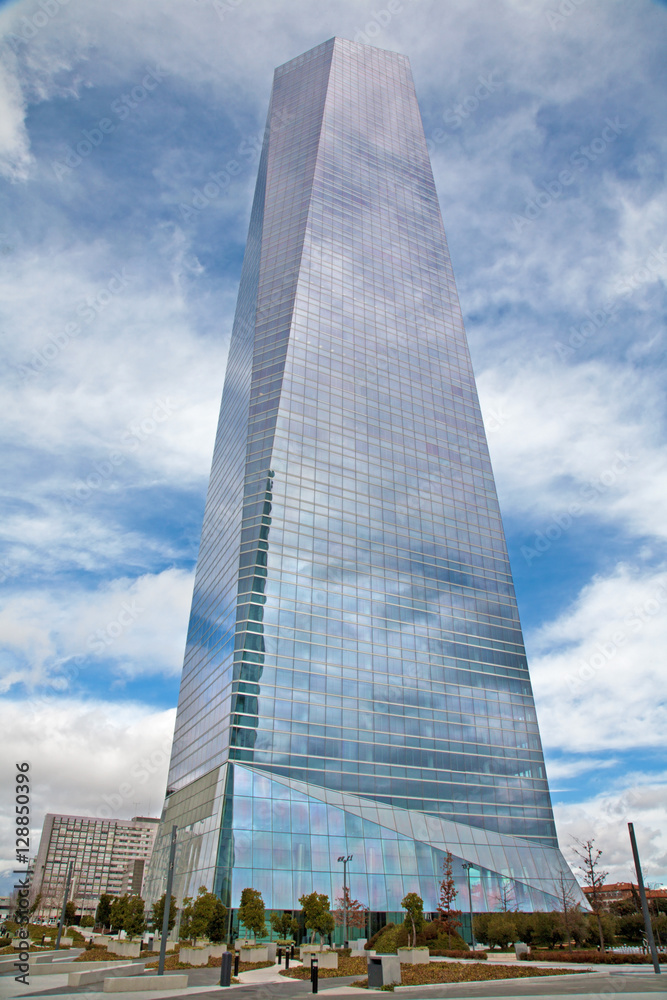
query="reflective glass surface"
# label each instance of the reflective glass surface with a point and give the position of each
(355, 674)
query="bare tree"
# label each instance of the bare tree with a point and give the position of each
(507, 896)
(569, 906)
(589, 856)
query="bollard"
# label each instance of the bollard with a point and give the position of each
(237, 956)
(226, 969)
(314, 973)
(286, 959)
(279, 956)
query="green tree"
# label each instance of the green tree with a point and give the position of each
(135, 920)
(203, 917)
(185, 928)
(70, 913)
(284, 925)
(317, 915)
(87, 921)
(118, 913)
(631, 928)
(605, 924)
(413, 904)
(480, 926)
(523, 926)
(448, 893)
(501, 930)
(589, 856)
(217, 922)
(252, 913)
(103, 912)
(547, 929)
(157, 913)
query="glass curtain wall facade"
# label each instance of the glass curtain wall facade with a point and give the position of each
(355, 680)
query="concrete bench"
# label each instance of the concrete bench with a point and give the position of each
(105, 971)
(161, 983)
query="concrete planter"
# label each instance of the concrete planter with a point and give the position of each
(272, 948)
(243, 943)
(216, 950)
(171, 945)
(125, 949)
(413, 956)
(257, 953)
(306, 948)
(325, 959)
(194, 956)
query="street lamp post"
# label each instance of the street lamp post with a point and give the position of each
(467, 867)
(345, 861)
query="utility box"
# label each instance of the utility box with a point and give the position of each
(383, 970)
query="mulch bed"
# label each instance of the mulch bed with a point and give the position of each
(100, 953)
(215, 963)
(346, 967)
(456, 972)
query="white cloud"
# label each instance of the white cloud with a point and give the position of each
(138, 624)
(598, 669)
(15, 157)
(90, 758)
(560, 768)
(587, 435)
(641, 800)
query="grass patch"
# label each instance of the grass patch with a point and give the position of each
(474, 972)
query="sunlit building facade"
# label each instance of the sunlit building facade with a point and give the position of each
(355, 681)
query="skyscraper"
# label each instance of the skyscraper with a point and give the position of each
(355, 681)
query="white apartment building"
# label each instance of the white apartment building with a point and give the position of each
(104, 855)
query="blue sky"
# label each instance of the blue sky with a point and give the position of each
(545, 122)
